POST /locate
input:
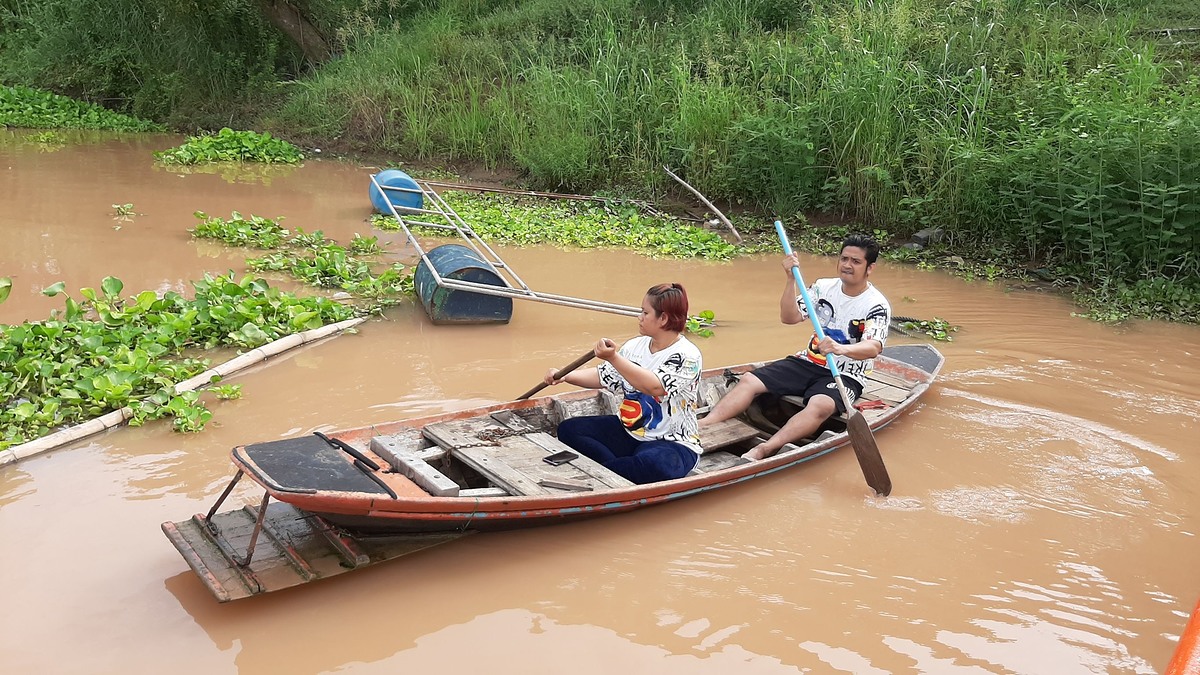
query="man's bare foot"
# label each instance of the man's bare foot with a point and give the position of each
(758, 452)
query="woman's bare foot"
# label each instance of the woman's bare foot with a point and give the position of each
(760, 451)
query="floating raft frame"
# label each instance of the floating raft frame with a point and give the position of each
(437, 214)
(273, 546)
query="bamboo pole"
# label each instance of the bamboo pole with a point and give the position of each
(119, 417)
(704, 200)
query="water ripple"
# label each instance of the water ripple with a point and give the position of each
(1070, 425)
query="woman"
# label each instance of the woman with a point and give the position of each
(655, 437)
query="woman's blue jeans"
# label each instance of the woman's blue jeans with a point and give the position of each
(603, 438)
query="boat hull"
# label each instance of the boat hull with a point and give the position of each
(338, 502)
(357, 503)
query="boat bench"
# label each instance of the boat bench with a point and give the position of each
(515, 464)
(880, 387)
(723, 434)
(401, 452)
(508, 451)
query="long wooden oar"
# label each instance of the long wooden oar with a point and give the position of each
(856, 425)
(583, 358)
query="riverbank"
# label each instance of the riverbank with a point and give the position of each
(1048, 140)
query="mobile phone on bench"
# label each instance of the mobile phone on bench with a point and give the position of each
(559, 458)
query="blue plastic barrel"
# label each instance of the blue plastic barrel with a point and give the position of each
(448, 305)
(400, 198)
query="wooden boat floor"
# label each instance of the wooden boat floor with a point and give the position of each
(514, 462)
(294, 548)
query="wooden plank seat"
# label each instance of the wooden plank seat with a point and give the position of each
(508, 454)
(718, 436)
(400, 452)
(715, 461)
(726, 433)
(410, 451)
(602, 402)
(893, 380)
(515, 464)
(880, 387)
(869, 413)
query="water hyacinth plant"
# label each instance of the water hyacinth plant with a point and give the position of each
(106, 351)
(228, 145)
(36, 109)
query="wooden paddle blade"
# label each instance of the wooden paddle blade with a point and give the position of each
(868, 455)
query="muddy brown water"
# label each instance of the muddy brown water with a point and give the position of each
(1044, 517)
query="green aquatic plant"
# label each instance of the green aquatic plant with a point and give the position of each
(936, 328)
(30, 108)
(701, 324)
(1147, 298)
(312, 258)
(228, 145)
(48, 138)
(227, 392)
(106, 351)
(302, 239)
(252, 232)
(331, 266)
(529, 221)
(361, 245)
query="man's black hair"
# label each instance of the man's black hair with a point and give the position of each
(864, 241)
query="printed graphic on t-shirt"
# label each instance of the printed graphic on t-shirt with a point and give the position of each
(847, 320)
(865, 327)
(640, 412)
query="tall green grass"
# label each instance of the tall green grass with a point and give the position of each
(1058, 132)
(168, 61)
(1047, 130)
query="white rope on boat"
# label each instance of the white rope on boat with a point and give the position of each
(119, 417)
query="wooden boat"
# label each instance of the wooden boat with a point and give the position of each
(360, 496)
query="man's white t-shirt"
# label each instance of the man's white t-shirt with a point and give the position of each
(848, 320)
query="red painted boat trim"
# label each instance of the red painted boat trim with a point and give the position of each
(429, 513)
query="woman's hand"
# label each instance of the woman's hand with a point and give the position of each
(588, 378)
(606, 349)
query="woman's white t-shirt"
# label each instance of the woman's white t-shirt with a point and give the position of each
(671, 417)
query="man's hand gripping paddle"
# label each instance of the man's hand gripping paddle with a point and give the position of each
(856, 426)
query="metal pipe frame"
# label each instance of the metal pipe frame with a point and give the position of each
(516, 288)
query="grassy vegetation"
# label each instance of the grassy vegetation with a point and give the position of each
(35, 109)
(186, 63)
(1052, 135)
(1056, 135)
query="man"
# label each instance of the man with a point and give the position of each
(854, 316)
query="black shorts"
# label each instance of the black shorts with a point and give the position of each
(794, 376)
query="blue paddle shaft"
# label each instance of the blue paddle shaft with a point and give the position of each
(812, 314)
